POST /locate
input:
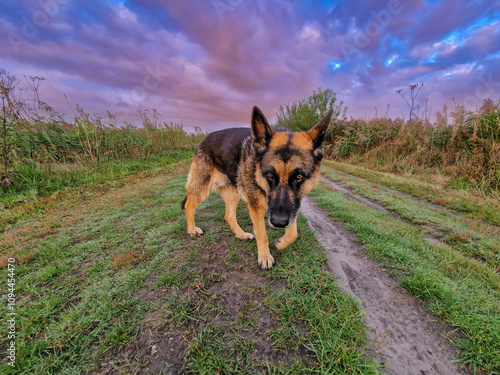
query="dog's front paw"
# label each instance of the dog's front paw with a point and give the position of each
(196, 232)
(246, 236)
(266, 262)
(280, 245)
(286, 240)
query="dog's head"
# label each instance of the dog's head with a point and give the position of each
(287, 165)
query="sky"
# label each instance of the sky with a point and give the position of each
(207, 63)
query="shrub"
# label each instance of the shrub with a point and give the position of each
(302, 114)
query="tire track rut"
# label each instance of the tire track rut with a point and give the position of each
(403, 334)
(432, 239)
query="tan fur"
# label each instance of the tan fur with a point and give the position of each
(288, 238)
(302, 140)
(282, 169)
(279, 139)
(197, 191)
(261, 181)
(313, 133)
(257, 214)
(231, 199)
(310, 183)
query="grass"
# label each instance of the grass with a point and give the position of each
(463, 291)
(40, 180)
(36, 172)
(474, 202)
(20, 206)
(470, 233)
(463, 148)
(43, 154)
(107, 278)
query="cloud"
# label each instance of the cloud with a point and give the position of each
(210, 62)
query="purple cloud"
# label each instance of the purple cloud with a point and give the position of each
(208, 63)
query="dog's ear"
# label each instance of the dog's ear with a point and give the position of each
(261, 131)
(317, 133)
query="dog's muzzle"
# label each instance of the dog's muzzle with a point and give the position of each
(282, 210)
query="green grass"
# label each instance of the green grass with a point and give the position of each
(469, 235)
(42, 179)
(474, 202)
(464, 292)
(108, 279)
(97, 263)
(106, 272)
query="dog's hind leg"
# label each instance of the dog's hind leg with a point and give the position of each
(288, 238)
(231, 199)
(191, 202)
(197, 189)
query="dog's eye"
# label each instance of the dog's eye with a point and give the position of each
(299, 177)
(270, 175)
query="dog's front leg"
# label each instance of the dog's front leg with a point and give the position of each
(288, 238)
(257, 214)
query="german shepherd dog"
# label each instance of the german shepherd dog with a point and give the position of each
(270, 169)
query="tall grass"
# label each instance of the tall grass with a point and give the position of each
(466, 150)
(41, 152)
(90, 141)
(463, 149)
(46, 156)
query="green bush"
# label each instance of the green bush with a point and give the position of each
(303, 114)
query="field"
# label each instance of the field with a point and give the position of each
(108, 281)
(396, 268)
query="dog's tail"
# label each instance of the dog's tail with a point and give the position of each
(183, 204)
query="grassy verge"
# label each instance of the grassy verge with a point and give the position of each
(474, 202)
(42, 179)
(463, 291)
(99, 179)
(471, 236)
(108, 279)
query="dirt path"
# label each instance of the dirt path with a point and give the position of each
(404, 336)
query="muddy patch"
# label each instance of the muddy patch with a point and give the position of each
(155, 351)
(219, 307)
(404, 335)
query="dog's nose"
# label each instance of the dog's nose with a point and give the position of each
(279, 220)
